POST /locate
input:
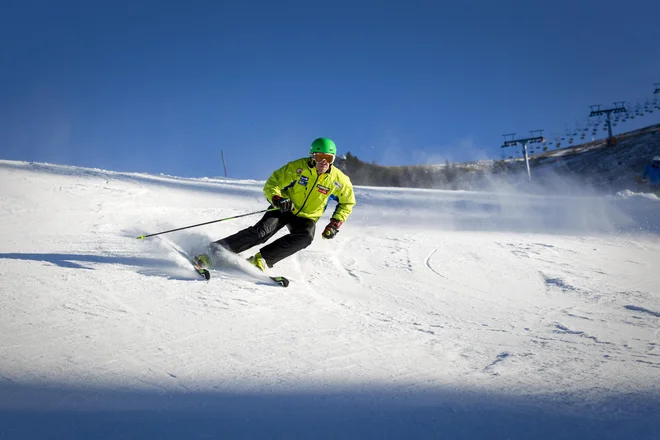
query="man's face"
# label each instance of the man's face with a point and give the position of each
(323, 161)
(322, 167)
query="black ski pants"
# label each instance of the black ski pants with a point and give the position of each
(301, 235)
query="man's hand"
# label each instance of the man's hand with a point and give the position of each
(282, 204)
(332, 229)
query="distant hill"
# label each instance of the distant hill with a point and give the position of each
(613, 168)
(606, 168)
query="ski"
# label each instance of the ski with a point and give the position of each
(279, 280)
(200, 270)
(282, 281)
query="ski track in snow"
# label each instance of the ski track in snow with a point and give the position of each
(426, 301)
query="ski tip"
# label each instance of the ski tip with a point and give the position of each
(284, 282)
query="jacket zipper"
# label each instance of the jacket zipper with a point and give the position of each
(310, 193)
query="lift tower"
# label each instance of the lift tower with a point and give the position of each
(596, 111)
(530, 140)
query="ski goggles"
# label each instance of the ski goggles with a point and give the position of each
(320, 157)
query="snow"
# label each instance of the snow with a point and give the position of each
(433, 314)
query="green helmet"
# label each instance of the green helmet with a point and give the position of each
(323, 145)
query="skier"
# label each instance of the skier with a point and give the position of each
(651, 175)
(300, 192)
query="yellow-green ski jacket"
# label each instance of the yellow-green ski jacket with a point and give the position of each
(309, 192)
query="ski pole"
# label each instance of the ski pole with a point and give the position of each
(142, 237)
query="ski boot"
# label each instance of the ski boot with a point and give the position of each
(258, 261)
(202, 261)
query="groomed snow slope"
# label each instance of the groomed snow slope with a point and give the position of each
(433, 314)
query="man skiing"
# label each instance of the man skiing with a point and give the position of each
(299, 193)
(651, 175)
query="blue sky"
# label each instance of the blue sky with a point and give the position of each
(165, 86)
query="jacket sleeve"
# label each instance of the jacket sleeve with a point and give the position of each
(346, 201)
(276, 182)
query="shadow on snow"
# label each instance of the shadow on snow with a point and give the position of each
(148, 266)
(155, 267)
(48, 412)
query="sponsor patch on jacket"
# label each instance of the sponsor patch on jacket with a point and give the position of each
(299, 170)
(303, 180)
(323, 189)
(338, 185)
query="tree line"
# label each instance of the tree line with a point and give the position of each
(448, 176)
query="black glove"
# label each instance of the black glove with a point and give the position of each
(332, 229)
(282, 204)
